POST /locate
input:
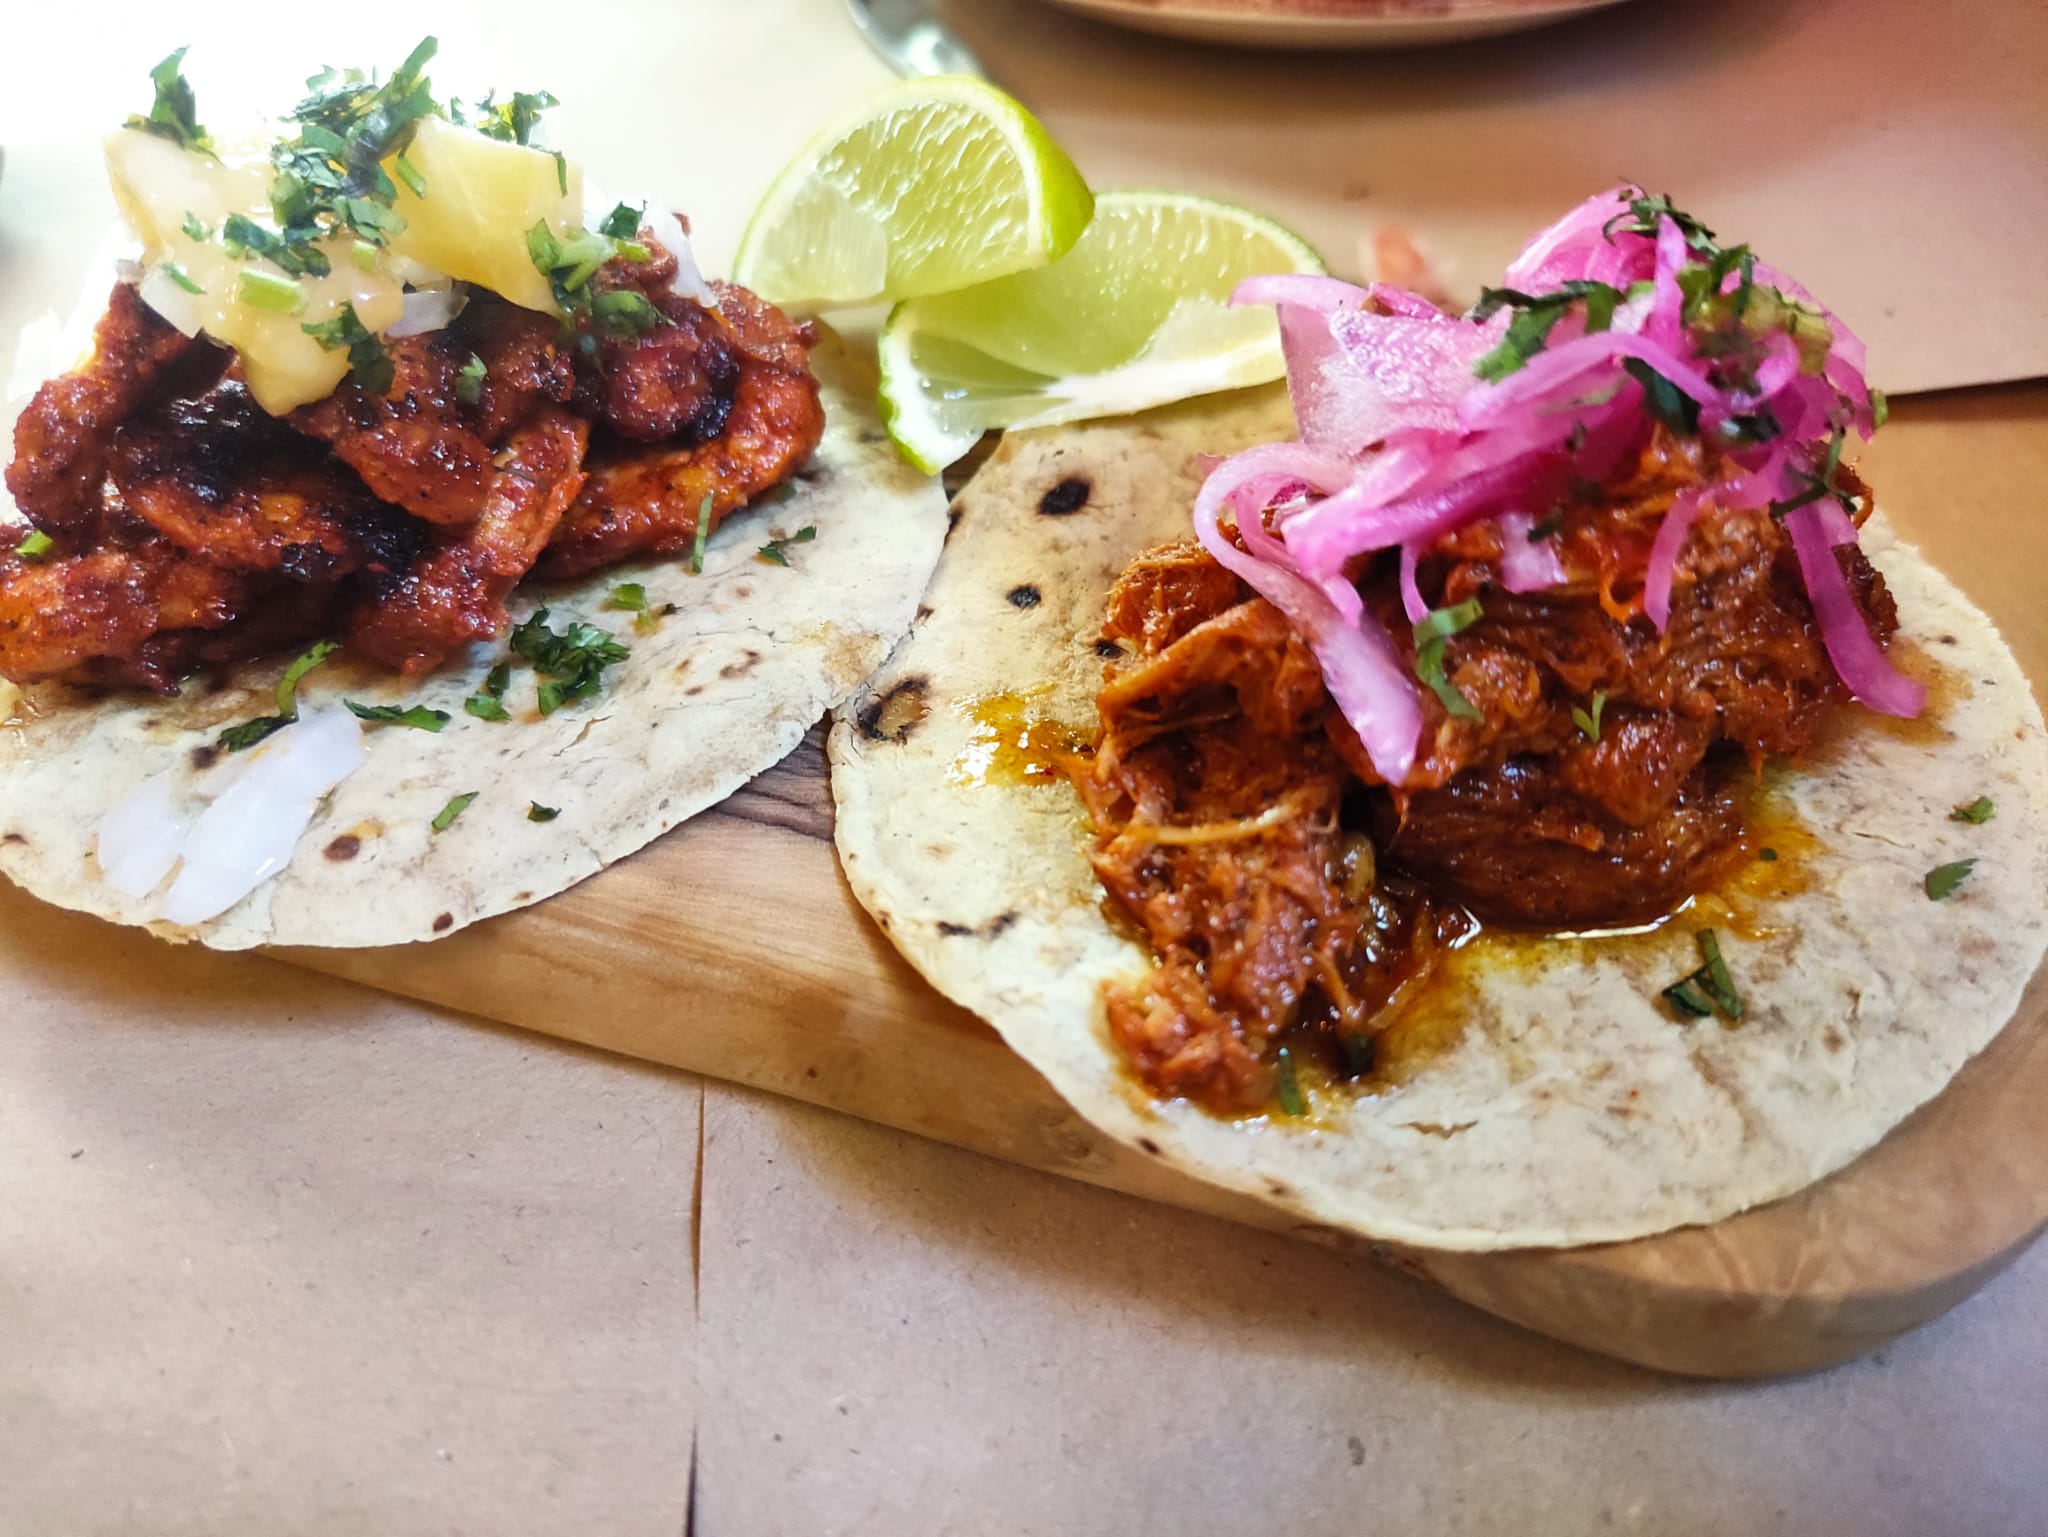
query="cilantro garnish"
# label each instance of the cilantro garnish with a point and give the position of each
(1942, 880)
(419, 717)
(244, 238)
(776, 551)
(174, 113)
(1536, 316)
(1646, 212)
(1437, 627)
(1664, 400)
(536, 812)
(623, 222)
(267, 291)
(703, 533)
(1708, 989)
(35, 546)
(1821, 485)
(509, 122)
(368, 362)
(331, 176)
(193, 229)
(630, 597)
(1588, 721)
(1287, 1085)
(445, 818)
(250, 732)
(571, 663)
(469, 381)
(486, 707)
(569, 261)
(177, 274)
(1977, 812)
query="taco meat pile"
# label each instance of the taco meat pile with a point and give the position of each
(179, 525)
(1291, 894)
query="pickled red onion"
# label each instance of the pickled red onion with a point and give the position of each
(1401, 441)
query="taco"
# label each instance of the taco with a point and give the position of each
(413, 543)
(1541, 803)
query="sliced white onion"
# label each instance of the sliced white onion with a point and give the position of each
(140, 836)
(248, 834)
(689, 279)
(428, 309)
(183, 310)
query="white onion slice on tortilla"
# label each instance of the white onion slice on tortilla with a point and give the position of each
(689, 278)
(248, 833)
(140, 836)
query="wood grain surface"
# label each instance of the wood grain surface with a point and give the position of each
(732, 947)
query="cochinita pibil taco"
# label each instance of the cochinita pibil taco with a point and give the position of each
(420, 534)
(1523, 795)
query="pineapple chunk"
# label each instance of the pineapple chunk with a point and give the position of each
(159, 187)
(482, 196)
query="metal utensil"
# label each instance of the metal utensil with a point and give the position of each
(911, 39)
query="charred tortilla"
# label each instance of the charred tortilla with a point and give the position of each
(1563, 1104)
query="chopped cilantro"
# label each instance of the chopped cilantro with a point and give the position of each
(244, 238)
(776, 551)
(571, 663)
(1709, 988)
(409, 173)
(288, 685)
(625, 312)
(1430, 635)
(623, 222)
(511, 121)
(35, 546)
(1977, 813)
(250, 732)
(1287, 1085)
(536, 812)
(703, 533)
(177, 274)
(1535, 317)
(193, 229)
(1646, 212)
(631, 597)
(267, 291)
(369, 364)
(174, 113)
(1664, 400)
(445, 818)
(498, 679)
(469, 381)
(1588, 721)
(486, 707)
(1942, 880)
(419, 717)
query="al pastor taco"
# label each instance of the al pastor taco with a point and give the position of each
(421, 533)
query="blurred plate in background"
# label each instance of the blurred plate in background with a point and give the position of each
(1333, 23)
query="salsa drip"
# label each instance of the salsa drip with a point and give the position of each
(1579, 770)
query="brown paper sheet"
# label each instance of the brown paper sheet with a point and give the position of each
(1890, 153)
(280, 1255)
(327, 1263)
(915, 1341)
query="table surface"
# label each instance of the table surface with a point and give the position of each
(278, 1254)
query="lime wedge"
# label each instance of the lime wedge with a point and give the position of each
(1134, 316)
(936, 184)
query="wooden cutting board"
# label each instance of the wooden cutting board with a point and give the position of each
(732, 947)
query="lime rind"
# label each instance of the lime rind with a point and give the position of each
(938, 184)
(1135, 316)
